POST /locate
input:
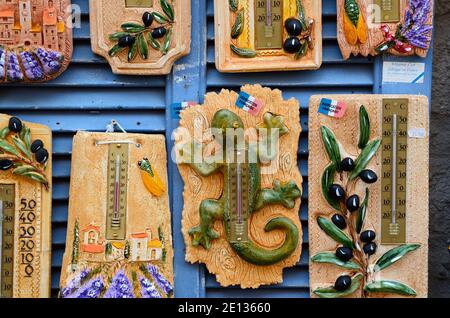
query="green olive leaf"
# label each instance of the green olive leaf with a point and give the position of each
(243, 52)
(238, 25)
(7, 147)
(301, 15)
(330, 292)
(36, 177)
(132, 51)
(364, 158)
(302, 51)
(116, 36)
(394, 255)
(334, 232)
(327, 181)
(234, 5)
(4, 132)
(21, 146)
(331, 258)
(168, 9)
(132, 27)
(331, 146)
(142, 45)
(362, 213)
(23, 169)
(159, 17)
(387, 286)
(364, 127)
(155, 44)
(116, 49)
(167, 42)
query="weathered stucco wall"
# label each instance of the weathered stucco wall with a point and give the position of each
(440, 153)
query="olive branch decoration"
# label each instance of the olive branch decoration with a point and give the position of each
(25, 158)
(137, 38)
(299, 31)
(346, 227)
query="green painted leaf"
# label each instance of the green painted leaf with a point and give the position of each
(387, 286)
(362, 213)
(36, 177)
(142, 46)
(116, 36)
(4, 132)
(233, 4)
(330, 258)
(132, 51)
(168, 9)
(238, 25)
(364, 127)
(21, 146)
(394, 255)
(116, 49)
(331, 146)
(7, 147)
(132, 27)
(243, 52)
(301, 15)
(155, 44)
(23, 169)
(352, 10)
(334, 232)
(364, 158)
(167, 42)
(159, 17)
(327, 181)
(27, 137)
(302, 51)
(330, 292)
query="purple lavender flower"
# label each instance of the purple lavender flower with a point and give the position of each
(416, 29)
(50, 60)
(120, 287)
(160, 280)
(74, 284)
(90, 290)
(33, 70)
(13, 71)
(2, 63)
(148, 290)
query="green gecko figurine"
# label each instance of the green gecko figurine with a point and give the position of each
(242, 195)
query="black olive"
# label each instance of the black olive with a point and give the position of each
(367, 236)
(126, 41)
(370, 248)
(292, 45)
(344, 254)
(293, 26)
(339, 221)
(6, 164)
(147, 18)
(352, 203)
(348, 164)
(15, 124)
(36, 145)
(159, 32)
(41, 155)
(336, 192)
(343, 283)
(368, 176)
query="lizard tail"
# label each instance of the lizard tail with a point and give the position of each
(260, 256)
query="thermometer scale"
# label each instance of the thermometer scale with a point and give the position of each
(269, 24)
(117, 191)
(389, 11)
(394, 171)
(7, 208)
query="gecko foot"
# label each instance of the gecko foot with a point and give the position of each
(288, 192)
(200, 237)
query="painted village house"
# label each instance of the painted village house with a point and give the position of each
(33, 23)
(145, 248)
(92, 245)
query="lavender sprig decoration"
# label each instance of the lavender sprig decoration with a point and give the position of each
(90, 290)
(148, 290)
(2, 63)
(416, 29)
(74, 284)
(120, 287)
(160, 280)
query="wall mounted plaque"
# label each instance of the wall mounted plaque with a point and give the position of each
(119, 242)
(35, 39)
(368, 226)
(25, 209)
(240, 215)
(268, 35)
(140, 37)
(371, 27)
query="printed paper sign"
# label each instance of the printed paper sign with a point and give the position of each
(403, 72)
(332, 108)
(249, 103)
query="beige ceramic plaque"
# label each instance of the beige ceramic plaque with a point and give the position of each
(251, 36)
(35, 39)
(369, 27)
(119, 242)
(159, 33)
(245, 232)
(386, 238)
(25, 213)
